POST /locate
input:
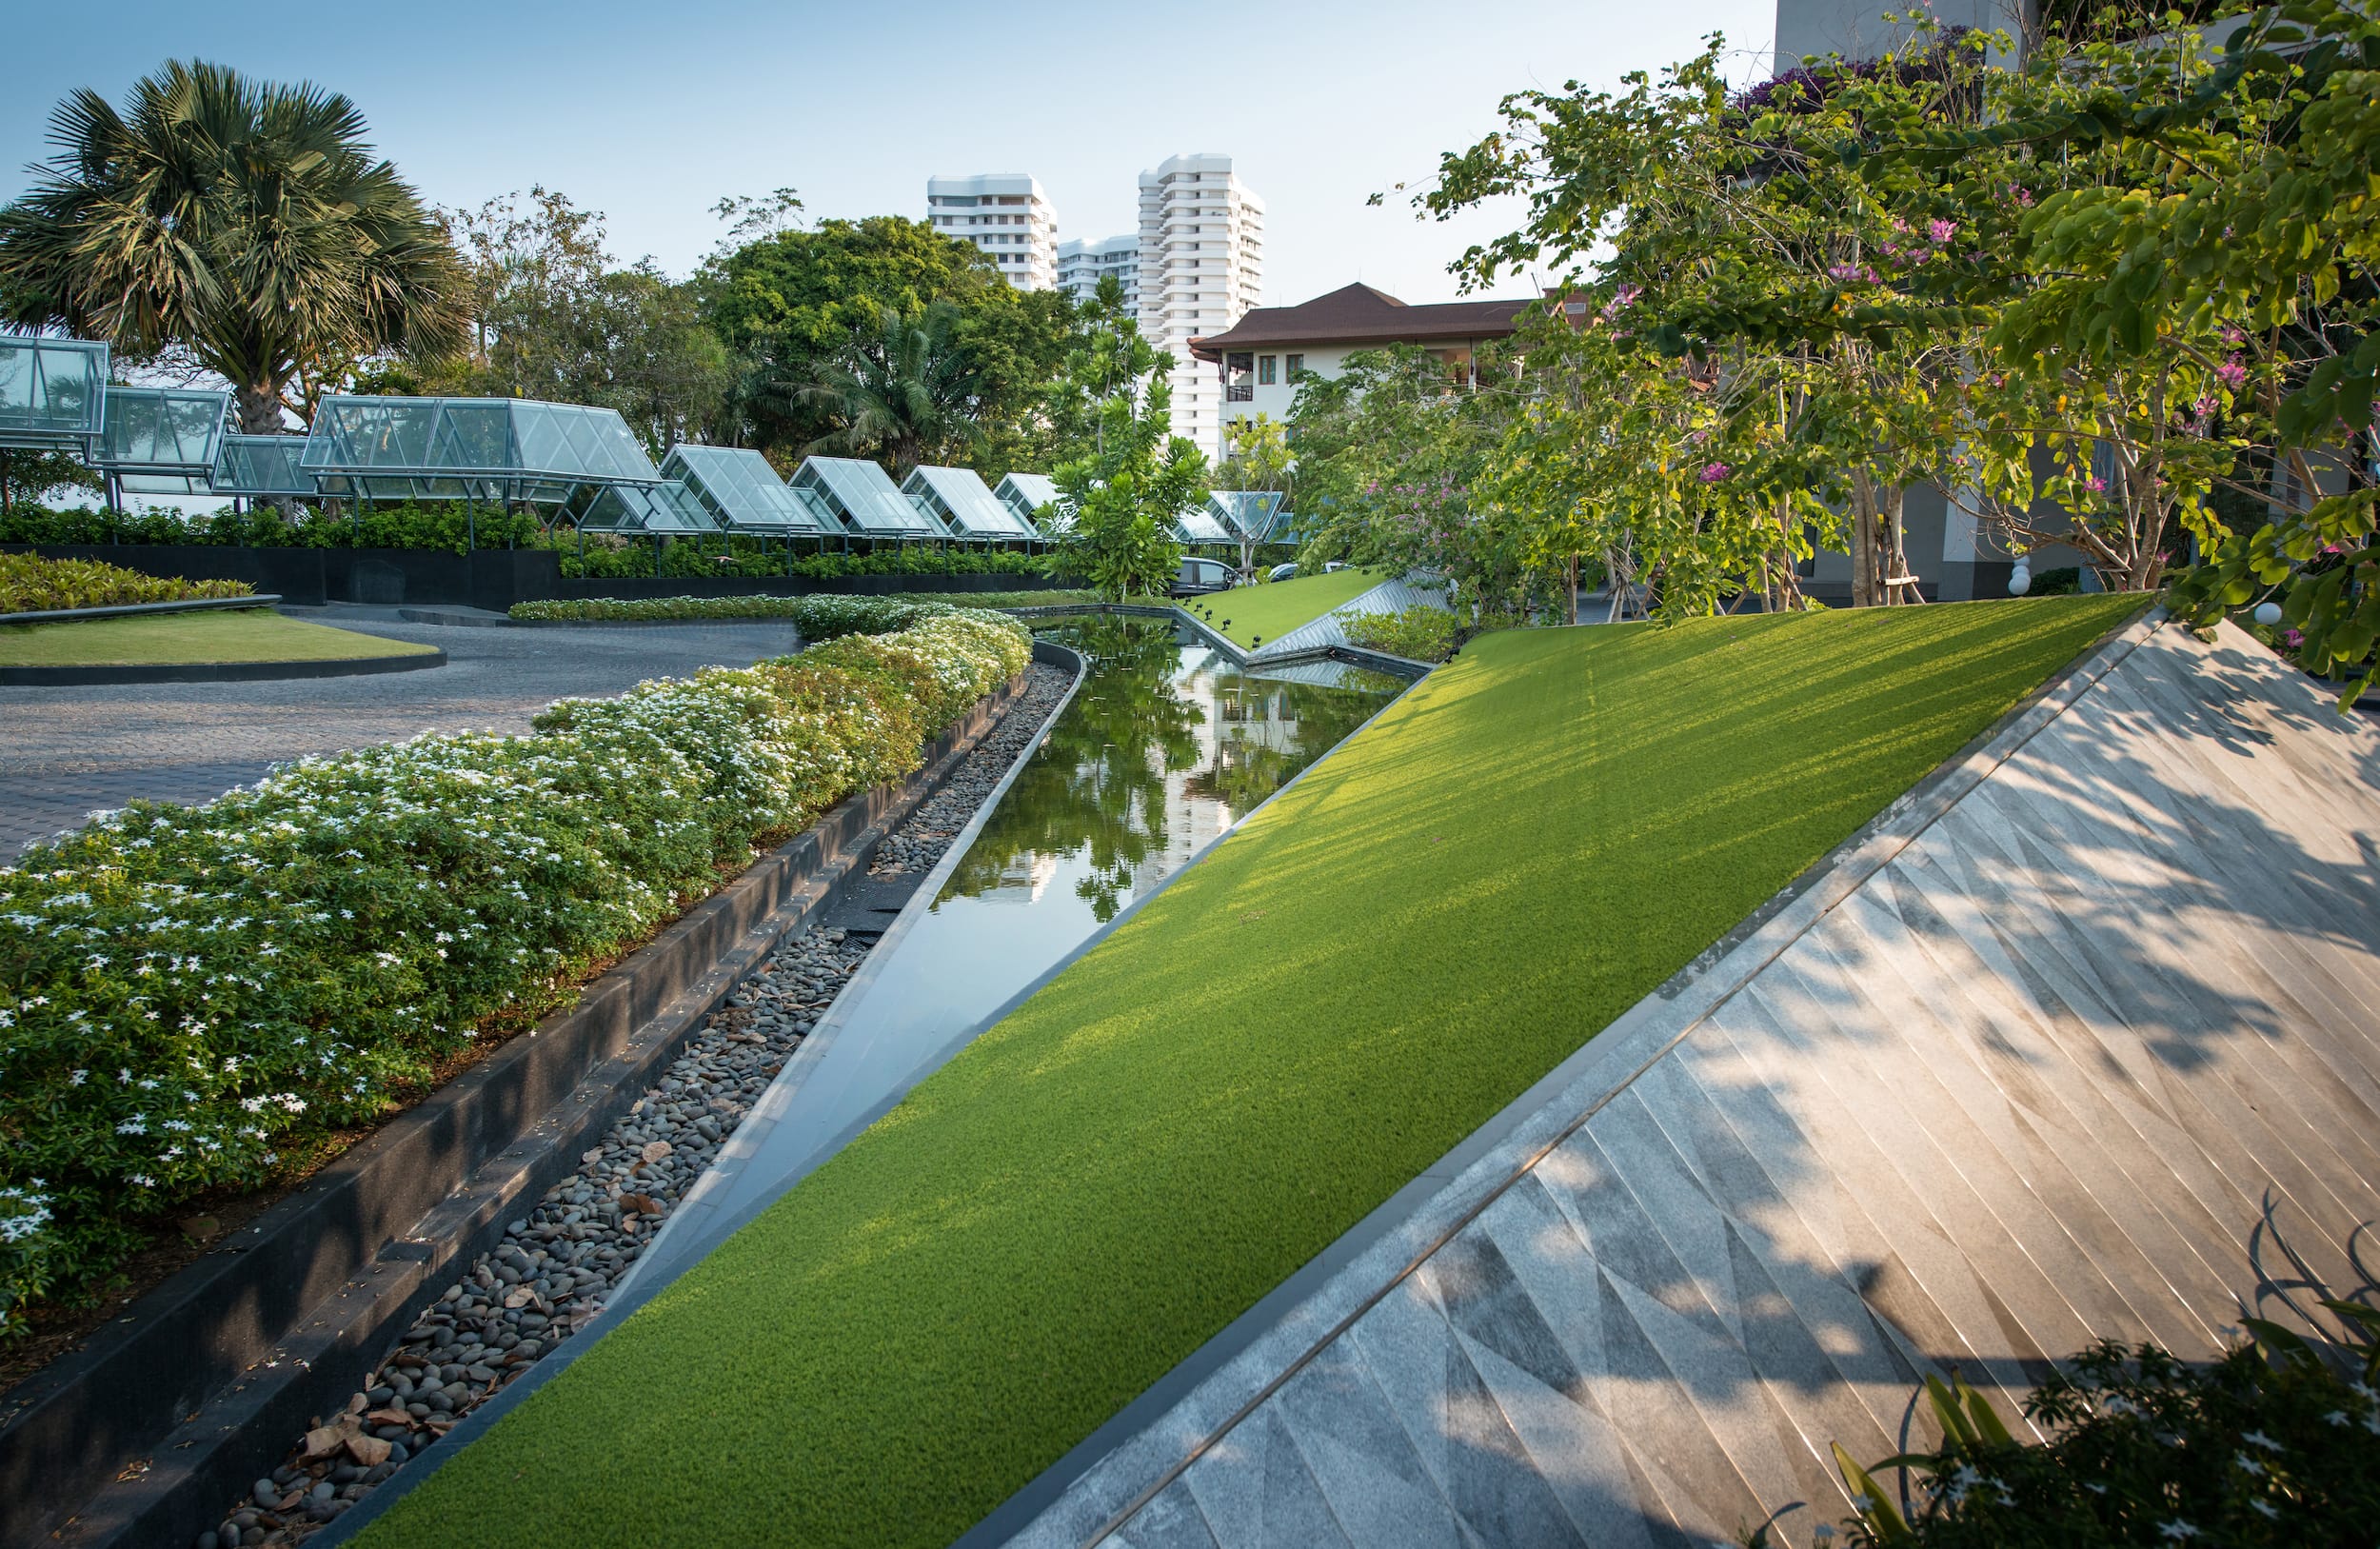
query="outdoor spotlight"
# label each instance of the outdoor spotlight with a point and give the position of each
(2020, 580)
(2268, 614)
(1256, 639)
(1226, 624)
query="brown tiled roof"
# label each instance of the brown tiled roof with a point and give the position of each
(1358, 314)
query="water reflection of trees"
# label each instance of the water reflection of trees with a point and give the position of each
(1097, 785)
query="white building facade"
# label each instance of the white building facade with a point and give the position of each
(1082, 265)
(1006, 214)
(1201, 267)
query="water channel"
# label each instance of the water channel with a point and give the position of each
(1165, 747)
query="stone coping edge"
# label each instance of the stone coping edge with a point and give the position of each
(636, 1288)
(143, 1435)
(1096, 1486)
(119, 610)
(95, 676)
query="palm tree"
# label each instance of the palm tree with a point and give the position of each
(908, 392)
(247, 224)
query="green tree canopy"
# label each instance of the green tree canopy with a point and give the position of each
(245, 224)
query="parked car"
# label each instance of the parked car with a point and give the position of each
(1281, 572)
(1199, 576)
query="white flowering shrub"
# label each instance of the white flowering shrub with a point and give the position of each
(193, 997)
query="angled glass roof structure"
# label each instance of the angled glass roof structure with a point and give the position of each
(1197, 524)
(959, 498)
(261, 466)
(741, 490)
(670, 507)
(53, 394)
(516, 449)
(163, 440)
(1249, 513)
(1026, 493)
(864, 499)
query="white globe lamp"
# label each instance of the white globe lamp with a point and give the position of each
(2268, 614)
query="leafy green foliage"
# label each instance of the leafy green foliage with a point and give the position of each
(1126, 493)
(2269, 1446)
(29, 584)
(190, 999)
(1420, 633)
(1097, 1185)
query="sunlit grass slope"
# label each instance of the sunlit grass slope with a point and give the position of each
(1516, 852)
(232, 635)
(1272, 609)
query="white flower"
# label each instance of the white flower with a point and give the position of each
(2178, 1530)
(76, 1078)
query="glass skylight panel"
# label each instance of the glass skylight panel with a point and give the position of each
(262, 465)
(740, 489)
(865, 497)
(958, 496)
(1247, 512)
(668, 508)
(1027, 493)
(52, 393)
(168, 431)
(1198, 527)
(539, 451)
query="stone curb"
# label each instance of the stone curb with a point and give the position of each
(119, 610)
(219, 1367)
(347, 666)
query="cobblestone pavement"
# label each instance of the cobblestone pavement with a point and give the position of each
(559, 1262)
(65, 752)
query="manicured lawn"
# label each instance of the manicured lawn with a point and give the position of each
(1272, 609)
(1526, 845)
(234, 635)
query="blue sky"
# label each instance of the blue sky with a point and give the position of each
(651, 114)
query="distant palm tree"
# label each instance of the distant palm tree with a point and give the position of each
(246, 223)
(905, 393)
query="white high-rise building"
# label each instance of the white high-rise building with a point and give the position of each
(1004, 214)
(1082, 265)
(1201, 266)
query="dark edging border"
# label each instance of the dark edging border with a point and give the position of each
(142, 1435)
(345, 666)
(189, 604)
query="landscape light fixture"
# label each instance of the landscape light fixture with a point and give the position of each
(2268, 614)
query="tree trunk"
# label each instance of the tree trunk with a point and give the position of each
(1864, 591)
(258, 408)
(1892, 552)
(7, 468)
(1571, 568)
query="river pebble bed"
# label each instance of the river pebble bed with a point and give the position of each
(558, 1262)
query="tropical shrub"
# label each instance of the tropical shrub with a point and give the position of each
(196, 999)
(2270, 1445)
(1420, 633)
(819, 617)
(29, 584)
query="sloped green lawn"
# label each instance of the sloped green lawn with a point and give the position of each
(1270, 609)
(1526, 845)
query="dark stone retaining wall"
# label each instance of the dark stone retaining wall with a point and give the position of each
(141, 1436)
(491, 578)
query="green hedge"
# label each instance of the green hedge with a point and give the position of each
(198, 999)
(29, 584)
(812, 607)
(446, 526)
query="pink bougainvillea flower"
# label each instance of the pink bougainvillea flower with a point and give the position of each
(2234, 375)
(1941, 232)
(2098, 485)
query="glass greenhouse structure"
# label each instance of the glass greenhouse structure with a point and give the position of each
(958, 499)
(1026, 493)
(860, 499)
(463, 449)
(262, 465)
(741, 491)
(1197, 524)
(1249, 515)
(162, 440)
(53, 394)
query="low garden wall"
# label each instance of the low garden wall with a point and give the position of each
(493, 579)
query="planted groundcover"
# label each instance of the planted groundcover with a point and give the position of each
(1521, 847)
(211, 999)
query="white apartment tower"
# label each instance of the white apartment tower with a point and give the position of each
(1081, 266)
(1004, 214)
(1201, 266)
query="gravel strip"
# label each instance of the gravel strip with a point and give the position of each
(549, 1277)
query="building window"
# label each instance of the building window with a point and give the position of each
(1242, 367)
(1297, 363)
(1264, 364)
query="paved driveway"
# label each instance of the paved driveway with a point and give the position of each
(65, 752)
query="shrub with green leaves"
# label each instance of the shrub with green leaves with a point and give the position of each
(2275, 1443)
(29, 584)
(1420, 633)
(191, 999)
